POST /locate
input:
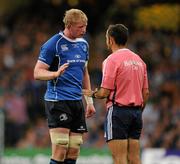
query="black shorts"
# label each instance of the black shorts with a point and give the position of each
(123, 123)
(66, 114)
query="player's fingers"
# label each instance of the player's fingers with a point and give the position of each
(64, 66)
(87, 114)
(90, 113)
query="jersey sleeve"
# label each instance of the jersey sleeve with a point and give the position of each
(46, 55)
(109, 74)
(87, 57)
(86, 49)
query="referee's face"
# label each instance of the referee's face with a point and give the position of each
(77, 30)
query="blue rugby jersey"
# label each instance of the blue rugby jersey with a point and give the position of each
(59, 50)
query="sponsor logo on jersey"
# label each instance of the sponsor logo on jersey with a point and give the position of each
(84, 48)
(75, 45)
(64, 47)
(77, 56)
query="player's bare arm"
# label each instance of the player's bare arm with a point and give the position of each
(90, 110)
(41, 71)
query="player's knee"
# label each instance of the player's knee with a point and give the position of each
(61, 139)
(75, 141)
(74, 146)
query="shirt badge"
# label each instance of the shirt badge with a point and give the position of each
(63, 117)
(64, 47)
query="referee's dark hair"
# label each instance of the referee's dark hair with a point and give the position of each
(119, 32)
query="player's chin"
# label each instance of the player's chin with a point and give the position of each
(81, 35)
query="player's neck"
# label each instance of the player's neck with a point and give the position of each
(117, 47)
(68, 34)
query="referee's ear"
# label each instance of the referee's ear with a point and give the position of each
(111, 41)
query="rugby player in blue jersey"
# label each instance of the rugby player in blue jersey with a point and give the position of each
(62, 63)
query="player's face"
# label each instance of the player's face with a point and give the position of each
(77, 30)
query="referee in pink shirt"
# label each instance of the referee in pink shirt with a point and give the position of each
(125, 85)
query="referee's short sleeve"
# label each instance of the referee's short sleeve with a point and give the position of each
(109, 74)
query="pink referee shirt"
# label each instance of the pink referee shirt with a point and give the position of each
(125, 74)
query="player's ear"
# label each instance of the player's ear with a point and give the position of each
(68, 26)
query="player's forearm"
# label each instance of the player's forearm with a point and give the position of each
(42, 74)
(87, 85)
(86, 80)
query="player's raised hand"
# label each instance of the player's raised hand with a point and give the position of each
(61, 69)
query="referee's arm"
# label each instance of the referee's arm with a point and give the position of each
(145, 93)
(101, 93)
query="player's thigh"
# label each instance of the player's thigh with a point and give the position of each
(75, 141)
(59, 130)
(59, 136)
(118, 147)
(78, 124)
(60, 141)
(58, 114)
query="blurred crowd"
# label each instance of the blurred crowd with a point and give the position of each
(21, 97)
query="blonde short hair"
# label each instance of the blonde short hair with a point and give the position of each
(74, 16)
